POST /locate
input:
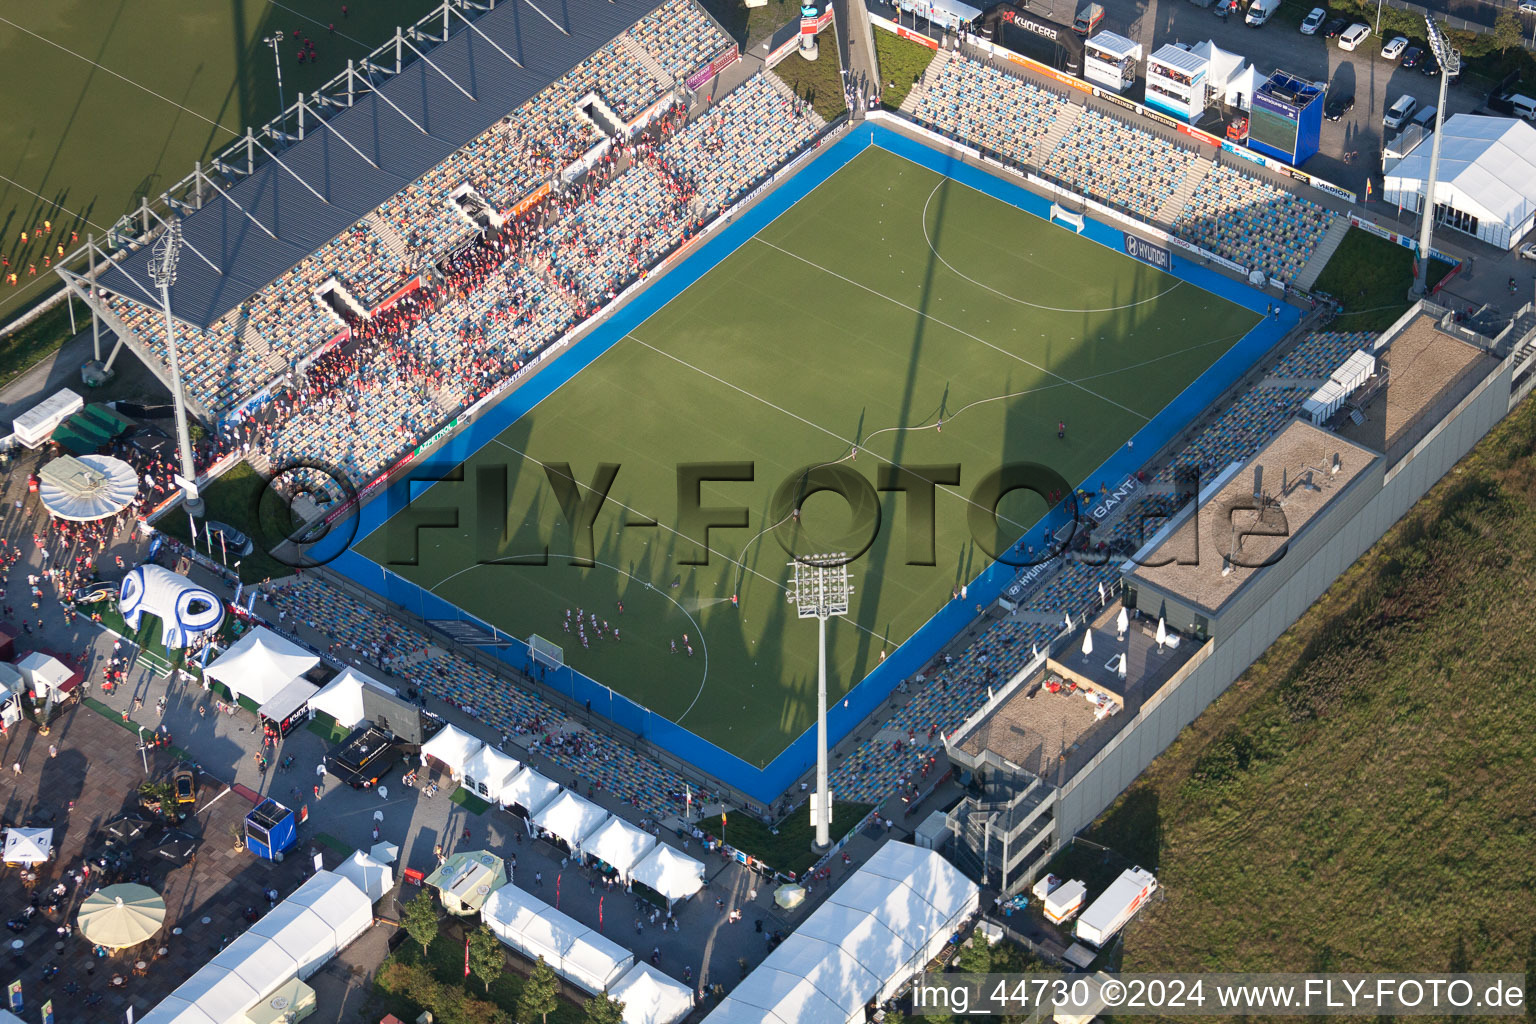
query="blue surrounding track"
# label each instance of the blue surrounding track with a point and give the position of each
(766, 784)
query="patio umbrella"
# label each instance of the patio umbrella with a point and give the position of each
(28, 845)
(1162, 633)
(121, 915)
(1122, 622)
(384, 853)
(1087, 643)
(789, 896)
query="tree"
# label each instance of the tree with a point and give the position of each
(539, 992)
(977, 957)
(1507, 31)
(486, 960)
(419, 916)
(602, 1010)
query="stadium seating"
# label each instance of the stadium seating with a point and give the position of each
(986, 107)
(1318, 355)
(1236, 215)
(1106, 159)
(680, 37)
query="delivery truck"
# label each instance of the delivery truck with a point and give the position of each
(1119, 903)
(1064, 901)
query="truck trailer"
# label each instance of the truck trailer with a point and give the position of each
(1119, 903)
(1064, 901)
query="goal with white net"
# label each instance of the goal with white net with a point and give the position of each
(546, 652)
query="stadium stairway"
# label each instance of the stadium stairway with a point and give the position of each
(935, 68)
(1322, 254)
(1065, 122)
(389, 236)
(648, 61)
(1179, 201)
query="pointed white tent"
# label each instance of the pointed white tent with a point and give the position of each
(374, 877)
(569, 817)
(487, 772)
(342, 698)
(650, 997)
(674, 875)
(260, 664)
(618, 844)
(452, 747)
(530, 790)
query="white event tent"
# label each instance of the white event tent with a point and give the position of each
(618, 844)
(1487, 179)
(875, 931)
(487, 772)
(674, 875)
(529, 789)
(452, 748)
(342, 698)
(569, 817)
(372, 876)
(260, 665)
(650, 997)
(578, 954)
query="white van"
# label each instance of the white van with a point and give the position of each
(1259, 13)
(1399, 113)
(1523, 106)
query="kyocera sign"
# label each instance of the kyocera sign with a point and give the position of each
(1031, 25)
(1141, 249)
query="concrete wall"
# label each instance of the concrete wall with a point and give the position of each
(1333, 550)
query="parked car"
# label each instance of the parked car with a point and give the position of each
(1412, 56)
(1338, 105)
(101, 590)
(1528, 251)
(1528, 6)
(185, 780)
(1394, 48)
(1399, 112)
(1334, 26)
(231, 539)
(1313, 21)
(1353, 36)
(1429, 67)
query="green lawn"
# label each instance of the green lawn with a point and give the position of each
(240, 498)
(1371, 277)
(1362, 798)
(102, 114)
(787, 845)
(819, 81)
(750, 26)
(901, 61)
(21, 349)
(836, 325)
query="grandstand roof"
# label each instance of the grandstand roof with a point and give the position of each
(250, 259)
(1186, 559)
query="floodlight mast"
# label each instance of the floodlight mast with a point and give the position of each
(275, 40)
(162, 271)
(1450, 66)
(819, 588)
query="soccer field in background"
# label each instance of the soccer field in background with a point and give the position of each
(892, 309)
(111, 101)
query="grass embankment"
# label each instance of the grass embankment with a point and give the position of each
(787, 845)
(820, 81)
(901, 62)
(241, 498)
(21, 350)
(1362, 798)
(751, 25)
(409, 984)
(1371, 277)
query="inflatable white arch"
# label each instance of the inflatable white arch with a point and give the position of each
(183, 608)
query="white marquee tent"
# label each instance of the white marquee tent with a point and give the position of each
(260, 664)
(453, 748)
(618, 844)
(569, 817)
(530, 789)
(650, 997)
(674, 875)
(1487, 177)
(534, 928)
(342, 698)
(293, 940)
(487, 772)
(373, 877)
(871, 934)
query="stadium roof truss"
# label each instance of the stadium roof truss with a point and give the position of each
(259, 209)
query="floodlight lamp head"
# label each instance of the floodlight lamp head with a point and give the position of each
(167, 250)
